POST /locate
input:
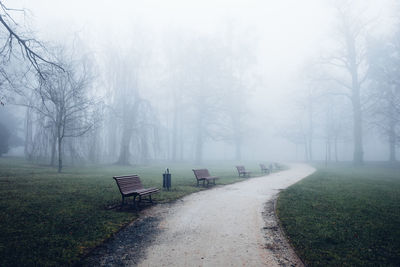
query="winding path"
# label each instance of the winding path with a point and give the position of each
(222, 226)
(231, 225)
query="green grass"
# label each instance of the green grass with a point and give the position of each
(48, 218)
(344, 216)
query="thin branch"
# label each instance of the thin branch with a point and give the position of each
(31, 55)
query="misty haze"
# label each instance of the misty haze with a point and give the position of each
(199, 133)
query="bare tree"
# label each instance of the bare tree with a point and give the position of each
(131, 118)
(306, 98)
(238, 80)
(204, 92)
(295, 131)
(349, 65)
(308, 103)
(384, 108)
(61, 98)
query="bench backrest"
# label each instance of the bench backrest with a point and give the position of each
(201, 173)
(128, 183)
(240, 169)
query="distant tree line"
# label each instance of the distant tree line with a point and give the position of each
(127, 106)
(138, 103)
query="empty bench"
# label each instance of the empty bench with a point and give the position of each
(242, 171)
(131, 186)
(204, 175)
(264, 168)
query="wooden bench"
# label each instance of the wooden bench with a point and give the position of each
(242, 171)
(203, 175)
(130, 185)
(264, 169)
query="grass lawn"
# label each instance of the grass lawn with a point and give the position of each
(48, 218)
(344, 216)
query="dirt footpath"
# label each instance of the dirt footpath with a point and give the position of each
(231, 225)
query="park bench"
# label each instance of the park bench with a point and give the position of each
(203, 175)
(242, 171)
(264, 169)
(130, 185)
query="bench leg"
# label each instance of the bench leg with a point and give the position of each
(204, 183)
(213, 181)
(151, 201)
(197, 183)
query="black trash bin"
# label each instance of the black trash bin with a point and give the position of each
(166, 179)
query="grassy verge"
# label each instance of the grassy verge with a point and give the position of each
(344, 216)
(48, 218)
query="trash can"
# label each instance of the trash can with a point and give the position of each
(167, 179)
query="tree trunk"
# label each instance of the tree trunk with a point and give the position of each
(112, 139)
(326, 154)
(93, 150)
(199, 146)
(392, 131)
(329, 151)
(53, 151)
(28, 135)
(310, 128)
(181, 142)
(199, 137)
(392, 149)
(144, 147)
(125, 144)
(306, 148)
(72, 151)
(175, 133)
(237, 127)
(238, 146)
(59, 154)
(336, 150)
(358, 157)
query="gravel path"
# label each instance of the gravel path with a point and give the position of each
(231, 225)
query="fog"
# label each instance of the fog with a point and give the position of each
(137, 82)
